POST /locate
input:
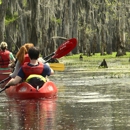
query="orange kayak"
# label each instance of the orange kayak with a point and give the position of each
(26, 91)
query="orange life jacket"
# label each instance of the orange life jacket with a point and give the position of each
(4, 59)
(28, 70)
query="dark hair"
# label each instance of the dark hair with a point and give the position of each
(33, 53)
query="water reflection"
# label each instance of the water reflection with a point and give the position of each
(93, 103)
(30, 115)
(83, 103)
(101, 107)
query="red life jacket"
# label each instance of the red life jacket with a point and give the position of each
(26, 59)
(28, 70)
(4, 59)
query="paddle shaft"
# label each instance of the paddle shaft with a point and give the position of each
(46, 58)
(5, 80)
(4, 88)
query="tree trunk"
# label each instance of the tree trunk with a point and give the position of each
(3, 7)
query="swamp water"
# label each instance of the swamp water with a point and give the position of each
(87, 100)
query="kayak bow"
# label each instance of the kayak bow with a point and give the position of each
(25, 91)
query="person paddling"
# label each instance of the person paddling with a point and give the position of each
(6, 57)
(32, 67)
(22, 57)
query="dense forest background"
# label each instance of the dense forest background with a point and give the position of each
(99, 25)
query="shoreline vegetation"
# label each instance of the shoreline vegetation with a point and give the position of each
(117, 66)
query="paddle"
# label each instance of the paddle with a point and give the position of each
(57, 66)
(62, 50)
(5, 80)
(4, 88)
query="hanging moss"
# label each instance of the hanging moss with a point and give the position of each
(24, 3)
(10, 19)
(56, 20)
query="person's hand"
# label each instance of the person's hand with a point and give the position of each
(10, 75)
(11, 65)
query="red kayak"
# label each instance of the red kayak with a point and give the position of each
(48, 90)
(25, 91)
(4, 74)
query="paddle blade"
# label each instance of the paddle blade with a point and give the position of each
(65, 48)
(57, 66)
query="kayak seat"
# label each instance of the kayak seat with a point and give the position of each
(36, 81)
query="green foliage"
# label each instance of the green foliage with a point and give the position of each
(98, 56)
(10, 19)
(24, 3)
(56, 20)
(89, 31)
(0, 2)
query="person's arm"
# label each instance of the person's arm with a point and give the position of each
(17, 79)
(40, 59)
(47, 71)
(52, 71)
(12, 59)
(16, 70)
(14, 81)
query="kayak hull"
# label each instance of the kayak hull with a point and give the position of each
(4, 74)
(25, 91)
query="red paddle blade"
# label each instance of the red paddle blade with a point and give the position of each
(65, 48)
